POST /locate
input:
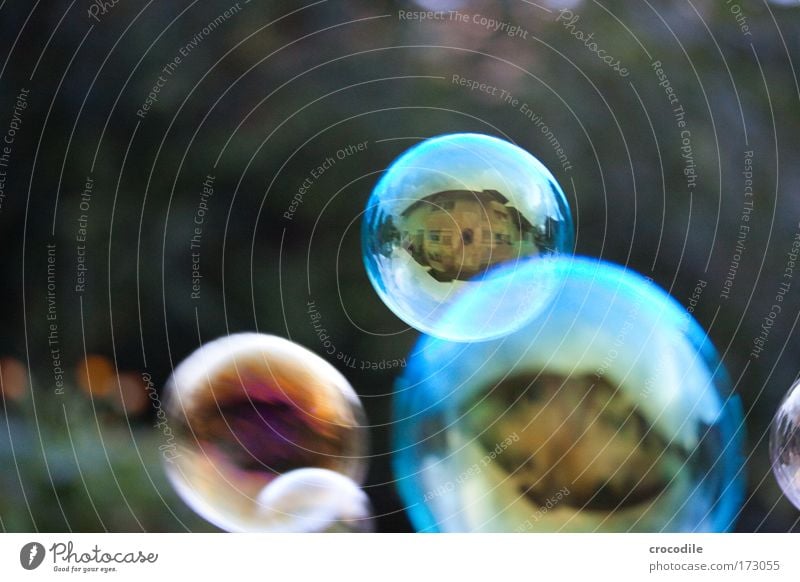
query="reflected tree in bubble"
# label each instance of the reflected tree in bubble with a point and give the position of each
(249, 410)
(448, 210)
(610, 411)
(784, 445)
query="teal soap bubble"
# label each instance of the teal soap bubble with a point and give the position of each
(446, 212)
(609, 411)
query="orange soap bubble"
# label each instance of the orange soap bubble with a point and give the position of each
(246, 410)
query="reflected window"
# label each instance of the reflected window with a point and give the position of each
(460, 233)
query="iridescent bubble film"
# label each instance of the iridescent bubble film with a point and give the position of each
(444, 213)
(247, 411)
(784, 445)
(607, 412)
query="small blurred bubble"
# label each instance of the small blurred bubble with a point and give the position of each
(315, 500)
(784, 445)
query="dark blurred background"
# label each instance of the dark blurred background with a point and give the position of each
(261, 97)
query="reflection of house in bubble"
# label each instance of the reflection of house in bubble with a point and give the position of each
(460, 233)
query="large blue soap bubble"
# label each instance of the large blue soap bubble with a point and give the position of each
(266, 436)
(444, 213)
(607, 412)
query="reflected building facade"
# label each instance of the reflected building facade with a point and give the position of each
(458, 234)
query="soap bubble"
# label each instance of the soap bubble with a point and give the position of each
(248, 409)
(784, 445)
(607, 412)
(444, 213)
(315, 500)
